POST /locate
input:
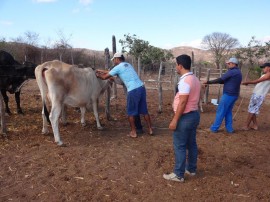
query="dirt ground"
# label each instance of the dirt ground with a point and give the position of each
(109, 166)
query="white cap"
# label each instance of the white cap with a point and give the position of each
(232, 60)
(117, 55)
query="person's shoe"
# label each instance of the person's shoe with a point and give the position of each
(173, 177)
(230, 131)
(210, 131)
(190, 173)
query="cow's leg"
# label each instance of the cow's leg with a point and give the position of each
(18, 102)
(5, 97)
(2, 111)
(54, 118)
(64, 115)
(83, 110)
(95, 110)
(45, 129)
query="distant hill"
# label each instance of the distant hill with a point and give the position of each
(34, 54)
(199, 54)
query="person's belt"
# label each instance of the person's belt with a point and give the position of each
(191, 112)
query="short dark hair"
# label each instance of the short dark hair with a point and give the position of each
(184, 60)
(122, 58)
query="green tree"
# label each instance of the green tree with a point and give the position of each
(3, 43)
(133, 45)
(252, 54)
(139, 48)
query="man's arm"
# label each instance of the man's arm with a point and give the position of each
(103, 74)
(219, 81)
(261, 79)
(102, 71)
(180, 109)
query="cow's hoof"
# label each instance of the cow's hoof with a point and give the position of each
(83, 124)
(5, 136)
(61, 144)
(45, 132)
(8, 113)
(100, 128)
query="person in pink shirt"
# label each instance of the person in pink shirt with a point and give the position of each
(185, 121)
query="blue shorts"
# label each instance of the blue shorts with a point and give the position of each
(136, 102)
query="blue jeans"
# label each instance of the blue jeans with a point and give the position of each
(184, 138)
(224, 110)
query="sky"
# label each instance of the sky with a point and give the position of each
(163, 23)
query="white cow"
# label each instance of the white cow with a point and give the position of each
(68, 85)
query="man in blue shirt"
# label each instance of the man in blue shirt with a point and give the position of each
(232, 80)
(136, 97)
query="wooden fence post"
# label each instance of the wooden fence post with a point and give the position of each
(175, 83)
(207, 87)
(219, 86)
(114, 85)
(200, 72)
(108, 91)
(139, 67)
(159, 89)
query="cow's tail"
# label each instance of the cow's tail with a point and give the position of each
(40, 78)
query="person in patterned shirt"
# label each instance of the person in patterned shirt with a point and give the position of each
(258, 95)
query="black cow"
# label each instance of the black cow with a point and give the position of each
(12, 76)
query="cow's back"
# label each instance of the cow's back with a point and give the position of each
(73, 85)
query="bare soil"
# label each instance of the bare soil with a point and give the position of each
(109, 166)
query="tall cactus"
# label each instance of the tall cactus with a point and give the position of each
(114, 87)
(113, 44)
(107, 58)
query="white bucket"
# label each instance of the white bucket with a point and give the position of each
(214, 101)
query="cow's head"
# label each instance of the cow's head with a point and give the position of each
(29, 69)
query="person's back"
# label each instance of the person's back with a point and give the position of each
(128, 75)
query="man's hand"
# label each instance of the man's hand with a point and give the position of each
(112, 79)
(98, 74)
(204, 83)
(102, 71)
(173, 125)
(245, 83)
